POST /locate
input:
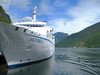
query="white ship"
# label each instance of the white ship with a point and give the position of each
(25, 42)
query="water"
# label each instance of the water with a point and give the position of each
(66, 61)
(77, 61)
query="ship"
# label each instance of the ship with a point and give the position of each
(26, 42)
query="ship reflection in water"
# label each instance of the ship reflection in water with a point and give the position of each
(40, 68)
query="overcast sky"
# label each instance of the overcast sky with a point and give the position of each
(69, 16)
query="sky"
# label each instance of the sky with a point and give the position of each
(69, 16)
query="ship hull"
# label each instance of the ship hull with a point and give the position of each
(20, 46)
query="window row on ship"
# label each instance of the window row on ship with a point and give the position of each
(31, 32)
(34, 25)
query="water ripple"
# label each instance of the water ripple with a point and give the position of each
(86, 60)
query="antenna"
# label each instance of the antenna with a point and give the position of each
(34, 14)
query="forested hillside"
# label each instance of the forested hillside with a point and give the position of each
(89, 37)
(4, 17)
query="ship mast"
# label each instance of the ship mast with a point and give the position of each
(34, 14)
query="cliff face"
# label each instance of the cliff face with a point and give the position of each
(4, 17)
(59, 36)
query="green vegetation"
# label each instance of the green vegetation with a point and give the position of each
(89, 37)
(4, 17)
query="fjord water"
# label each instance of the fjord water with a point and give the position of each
(66, 61)
(77, 61)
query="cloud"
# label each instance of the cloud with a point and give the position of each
(46, 8)
(86, 10)
(5, 4)
(84, 14)
(86, 7)
(64, 25)
(21, 4)
(49, 7)
(27, 19)
(60, 3)
(58, 24)
(14, 18)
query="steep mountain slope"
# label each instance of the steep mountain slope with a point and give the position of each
(4, 17)
(89, 37)
(59, 36)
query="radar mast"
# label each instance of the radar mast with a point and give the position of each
(34, 14)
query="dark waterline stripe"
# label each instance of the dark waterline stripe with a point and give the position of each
(26, 63)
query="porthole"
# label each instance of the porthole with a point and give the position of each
(31, 32)
(20, 60)
(17, 28)
(24, 30)
(28, 59)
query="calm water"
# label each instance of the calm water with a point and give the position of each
(66, 61)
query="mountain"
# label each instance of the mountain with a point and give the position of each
(89, 37)
(4, 17)
(59, 36)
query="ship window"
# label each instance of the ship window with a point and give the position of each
(50, 30)
(27, 25)
(33, 25)
(20, 60)
(31, 32)
(17, 28)
(24, 30)
(36, 25)
(47, 31)
(28, 59)
(40, 26)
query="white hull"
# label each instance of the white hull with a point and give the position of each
(44, 68)
(20, 47)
